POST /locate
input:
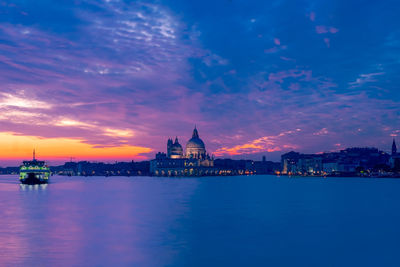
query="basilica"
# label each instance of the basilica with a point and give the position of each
(195, 148)
(193, 161)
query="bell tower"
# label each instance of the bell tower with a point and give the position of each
(169, 146)
(394, 148)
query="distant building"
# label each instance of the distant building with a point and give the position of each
(394, 147)
(395, 158)
(344, 162)
(194, 162)
(310, 164)
(330, 167)
(195, 148)
(85, 168)
(174, 150)
(262, 167)
(289, 162)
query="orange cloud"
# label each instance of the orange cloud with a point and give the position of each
(16, 146)
(262, 144)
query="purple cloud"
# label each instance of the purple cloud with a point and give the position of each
(137, 73)
(322, 29)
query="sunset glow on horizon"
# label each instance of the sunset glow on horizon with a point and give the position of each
(16, 147)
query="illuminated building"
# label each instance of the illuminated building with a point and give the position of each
(195, 148)
(195, 161)
(395, 158)
(345, 162)
(174, 150)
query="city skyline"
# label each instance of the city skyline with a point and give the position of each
(13, 162)
(111, 80)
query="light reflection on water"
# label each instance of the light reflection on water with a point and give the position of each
(30, 187)
(215, 221)
(93, 221)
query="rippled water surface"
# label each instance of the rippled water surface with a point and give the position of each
(215, 221)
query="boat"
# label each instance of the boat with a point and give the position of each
(34, 172)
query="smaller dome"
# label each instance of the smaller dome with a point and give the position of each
(176, 148)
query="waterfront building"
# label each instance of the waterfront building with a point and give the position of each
(310, 164)
(289, 162)
(194, 162)
(395, 157)
(344, 162)
(330, 167)
(195, 148)
(174, 150)
(303, 164)
(85, 168)
(262, 167)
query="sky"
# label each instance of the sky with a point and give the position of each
(113, 80)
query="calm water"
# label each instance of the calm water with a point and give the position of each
(216, 221)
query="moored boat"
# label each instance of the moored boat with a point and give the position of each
(34, 172)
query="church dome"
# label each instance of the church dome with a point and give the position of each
(195, 143)
(195, 147)
(175, 150)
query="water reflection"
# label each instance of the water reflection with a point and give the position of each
(91, 222)
(33, 187)
(235, 221)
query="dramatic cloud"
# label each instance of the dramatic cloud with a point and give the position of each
(262, 144)
(109, 76)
